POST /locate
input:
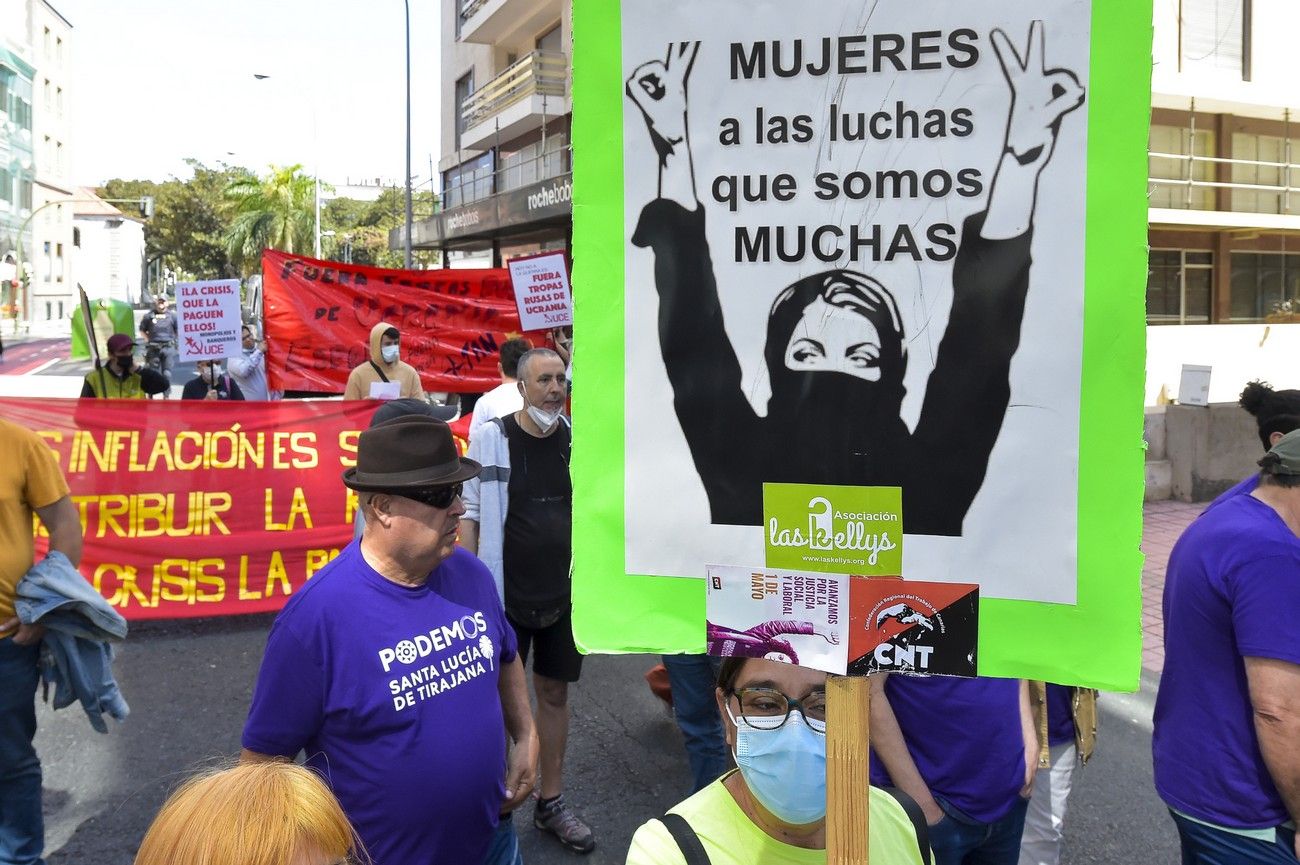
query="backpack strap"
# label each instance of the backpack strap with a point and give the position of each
(686, 839)
(379, 371)
(917, 816)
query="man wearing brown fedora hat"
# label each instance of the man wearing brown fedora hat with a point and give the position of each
(395, 668)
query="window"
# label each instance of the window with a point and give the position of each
(550, 40)
(6, 88)
(6, 186)
(464, 90)
(46, 42)
(1262, 282)
(58, 48)
(76, 237)
(58, 101)
(48, 89)
(1265, 156)
(1169, 148)
(58, 156)
(471, 181)
(1178, 286)
(1214, 38)
(21, 114)
(24, 195)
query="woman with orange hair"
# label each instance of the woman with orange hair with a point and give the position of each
(272, 813)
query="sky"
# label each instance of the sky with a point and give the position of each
(156, 81)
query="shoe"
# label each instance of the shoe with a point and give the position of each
(558, 819)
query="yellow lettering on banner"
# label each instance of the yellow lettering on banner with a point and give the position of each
(126, 588)
(150, 516)
(351, 504)
(275, 573)
(214, 505)
(250, 452)
(52, 438)
(317, 559)
(304, 444)
(110, 508)
(348, 445)
(214, 581)
(162, 449)
(297, 509)
(197, 439)
(176, 588)
(244, 593)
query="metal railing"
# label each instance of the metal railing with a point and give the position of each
(469, 8)
(485, 184)
(542, 73)
(1191, 184)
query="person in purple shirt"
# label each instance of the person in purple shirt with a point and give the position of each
(1226, 744)
(395, 669)
(966, 751)
(1276, 413)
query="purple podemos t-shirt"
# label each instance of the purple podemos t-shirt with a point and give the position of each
(392, 693)
(1060, 715)
(964, 736)
(1232, 590)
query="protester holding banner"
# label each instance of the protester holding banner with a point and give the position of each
(772, 809)
(211, 383)
(384, 376)
(966, 751)
(30, 482)
(1226, 743)
(117, 378)
(504, 399)
(395, 669)
(1066, 721)
(249, 368)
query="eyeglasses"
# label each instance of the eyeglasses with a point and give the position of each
(769, 709)
(440, 498)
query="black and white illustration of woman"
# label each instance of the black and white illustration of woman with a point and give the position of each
(835, 349)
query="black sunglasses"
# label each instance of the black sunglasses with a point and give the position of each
(440, 498)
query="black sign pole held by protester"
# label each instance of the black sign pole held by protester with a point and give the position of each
(88, 319)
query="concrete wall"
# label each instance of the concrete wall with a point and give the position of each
(1209, 449)
(1238, 353)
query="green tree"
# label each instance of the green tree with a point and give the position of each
(275, 211)
(365, 225)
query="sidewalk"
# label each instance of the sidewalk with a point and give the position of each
(1162, 523)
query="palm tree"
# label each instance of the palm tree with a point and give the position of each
(276, 211)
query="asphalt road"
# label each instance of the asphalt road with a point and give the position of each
(189, 685)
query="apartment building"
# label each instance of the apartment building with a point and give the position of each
(53, 291)
(1224, 279)
(17, 158)
(505, 166)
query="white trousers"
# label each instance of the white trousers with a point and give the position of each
(1041, 842)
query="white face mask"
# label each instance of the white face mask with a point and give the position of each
(390, 353)
(543, 418)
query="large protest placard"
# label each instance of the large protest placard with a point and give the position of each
(895, 244)
(319, 315)
(210, 319)
(202, 508)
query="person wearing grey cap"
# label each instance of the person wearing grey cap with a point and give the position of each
(1227, 715)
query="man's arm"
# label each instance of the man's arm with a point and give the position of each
(890, 746)
(244, 367)
(1275, 702)
(63, 523)
(521, 771)
(1030, 736)
(153, 382)
(146, 326)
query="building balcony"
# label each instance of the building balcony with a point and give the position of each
(1217, 192)
(517, 101)
(505, 22)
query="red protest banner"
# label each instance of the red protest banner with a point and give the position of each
(319, 315)
(202, 508)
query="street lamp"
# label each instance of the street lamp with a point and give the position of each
(407, 3)
(315, 143)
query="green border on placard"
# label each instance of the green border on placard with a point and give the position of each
(1096, 642)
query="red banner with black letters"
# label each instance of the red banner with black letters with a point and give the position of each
(319, 314)
(196, 508)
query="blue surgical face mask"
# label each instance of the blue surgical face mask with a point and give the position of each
(784, 768)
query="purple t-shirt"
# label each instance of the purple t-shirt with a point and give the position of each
(1244, 488)
(1232, 590)
(964, 736)
(1060, 714)
(392, 692)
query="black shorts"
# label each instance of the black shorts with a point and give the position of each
(557, 656)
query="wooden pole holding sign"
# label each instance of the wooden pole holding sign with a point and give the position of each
(848, 769)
